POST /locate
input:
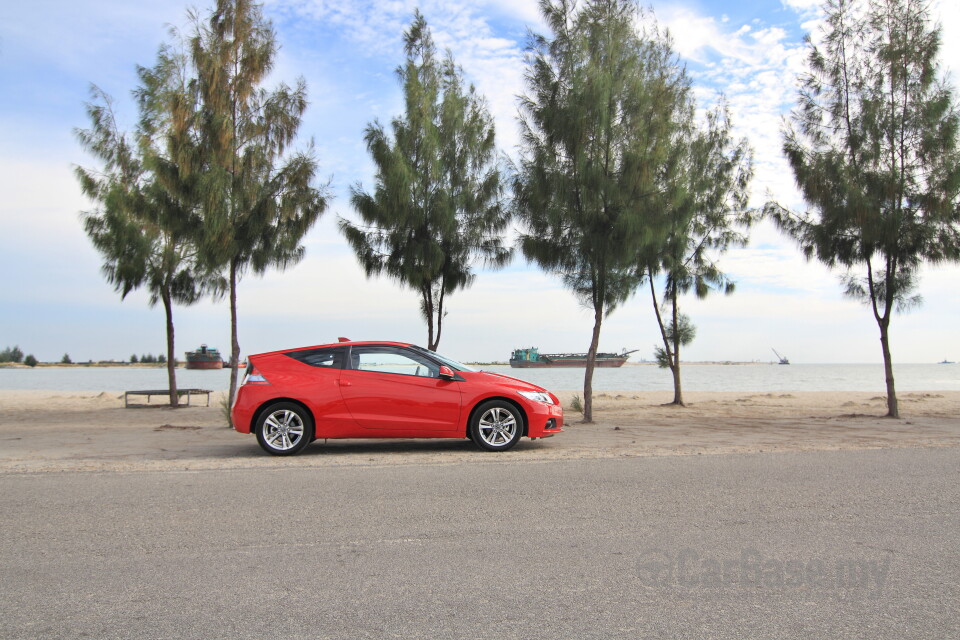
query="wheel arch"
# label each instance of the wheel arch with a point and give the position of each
(272, 401)
(517, 405)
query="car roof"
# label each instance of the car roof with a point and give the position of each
(348, 343)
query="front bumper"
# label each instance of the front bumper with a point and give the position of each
(544, 420)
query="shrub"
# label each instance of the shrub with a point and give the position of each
(66, 359)
(30, 361)
(576, 404)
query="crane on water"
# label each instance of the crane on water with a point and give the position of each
(782, 359)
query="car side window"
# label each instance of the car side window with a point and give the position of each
(386, 360)
(323, 358)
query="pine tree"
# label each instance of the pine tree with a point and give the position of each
(873, 147)
(707, 204)
(146, 223)
(437, 205)
(597, 125)
(257, 203)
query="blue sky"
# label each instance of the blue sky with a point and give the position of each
(54, 300)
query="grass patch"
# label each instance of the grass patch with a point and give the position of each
(576, 404)
(225, 410)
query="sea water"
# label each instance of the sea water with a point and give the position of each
(695, 377)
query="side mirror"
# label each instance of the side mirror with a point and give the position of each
(446, 373)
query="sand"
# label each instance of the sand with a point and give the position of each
(47, 431)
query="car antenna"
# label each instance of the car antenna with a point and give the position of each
(342, 339)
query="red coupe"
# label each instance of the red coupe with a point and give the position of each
(385, 390)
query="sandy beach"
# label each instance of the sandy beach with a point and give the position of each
(45, 431)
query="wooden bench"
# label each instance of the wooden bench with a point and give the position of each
(165, 393)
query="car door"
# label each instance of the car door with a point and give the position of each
(396, 389)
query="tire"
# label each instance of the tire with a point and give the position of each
(496, 425)
(284, 429)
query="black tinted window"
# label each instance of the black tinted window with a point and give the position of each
(328, 358)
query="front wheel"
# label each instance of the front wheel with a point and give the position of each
(284, 429)
(496, 426)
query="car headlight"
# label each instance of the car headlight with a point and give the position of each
(537, 396)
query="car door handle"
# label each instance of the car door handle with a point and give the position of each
(345, 383)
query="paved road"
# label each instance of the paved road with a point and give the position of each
(825, 545)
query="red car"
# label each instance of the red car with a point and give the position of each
(385, 390)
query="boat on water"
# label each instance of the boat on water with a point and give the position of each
(946, 362)
(204, 358)
(531, 358)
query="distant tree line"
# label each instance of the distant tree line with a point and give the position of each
(148, 359)
(15, 355)
(623, 183)
(11, 354)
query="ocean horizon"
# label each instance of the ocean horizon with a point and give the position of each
(637, 377)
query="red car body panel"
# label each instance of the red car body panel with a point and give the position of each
(350, 403)
(396, 402)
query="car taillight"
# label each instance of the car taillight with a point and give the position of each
(253, 376)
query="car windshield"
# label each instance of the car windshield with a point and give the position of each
(453, 364)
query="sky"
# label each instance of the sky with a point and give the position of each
(55, 301)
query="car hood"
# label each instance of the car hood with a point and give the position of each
(501, 380)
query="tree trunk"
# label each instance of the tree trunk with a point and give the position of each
(591, 363)
(893, 410)
(883, 321)
(436, 343)
(234, 340)
(673, 355)
(171, 352)
(426, 295)
(675, 358)
(677, 391)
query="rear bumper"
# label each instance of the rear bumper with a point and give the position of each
(244, 409)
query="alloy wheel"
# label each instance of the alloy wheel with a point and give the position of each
(283, 430)
(497, 426)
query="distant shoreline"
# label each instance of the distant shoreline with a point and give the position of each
(638, 364)
(181, 365)
(103, 364)
(87, 365)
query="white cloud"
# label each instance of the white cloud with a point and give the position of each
(755, 67)
(948, 13)
(803, 7)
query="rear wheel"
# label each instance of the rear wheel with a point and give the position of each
(496, 425)
(284, 429)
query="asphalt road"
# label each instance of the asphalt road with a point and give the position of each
(769, 545)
